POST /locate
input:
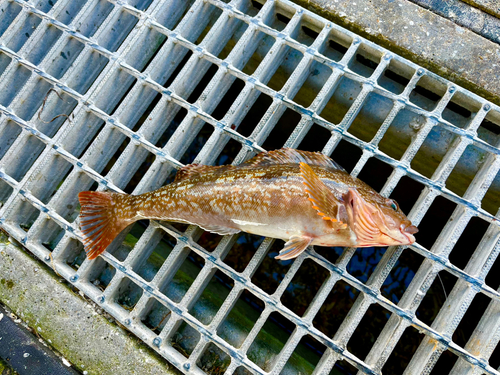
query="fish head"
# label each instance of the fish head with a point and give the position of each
(378, 221)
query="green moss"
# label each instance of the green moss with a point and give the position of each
(63, 339)
(5, 369)
(3, 238)
(8, 283)
(130, 240)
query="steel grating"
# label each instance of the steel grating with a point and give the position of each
(122, 72)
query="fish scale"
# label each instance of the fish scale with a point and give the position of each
(240, 195)
(300, 197)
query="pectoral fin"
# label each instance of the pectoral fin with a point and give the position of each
(322, 198)
(294, 246)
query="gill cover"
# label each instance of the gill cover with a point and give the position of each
(378, 223)
(364, 219)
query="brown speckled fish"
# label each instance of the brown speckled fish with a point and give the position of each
(304, 198)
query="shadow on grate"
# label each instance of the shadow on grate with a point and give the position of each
(270, 341)
(184, 339)
(241, 319)
(403, 352)
(212, 298)
(155, 315)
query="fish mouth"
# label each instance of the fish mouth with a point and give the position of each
(392, 238)
(408, 231)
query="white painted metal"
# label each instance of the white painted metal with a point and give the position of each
(105, 46)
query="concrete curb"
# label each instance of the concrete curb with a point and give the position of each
(25, 353)
(438, 44)
(489, 6)
(68, 322)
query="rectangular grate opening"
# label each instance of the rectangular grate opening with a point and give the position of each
(105, 95)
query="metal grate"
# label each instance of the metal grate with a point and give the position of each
(127, 75)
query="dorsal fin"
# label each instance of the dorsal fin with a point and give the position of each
(191, 170)
(292, 156)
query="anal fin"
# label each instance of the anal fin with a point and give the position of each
(219, 229)
(212, 227)
(294, 247)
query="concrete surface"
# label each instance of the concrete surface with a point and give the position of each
(422, 36)
(72, 325)
(26, 353)
(490, 6)
(466, 15)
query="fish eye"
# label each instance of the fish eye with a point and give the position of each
(393, 204)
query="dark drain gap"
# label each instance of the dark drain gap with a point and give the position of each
(283, 18)
(310, 32)
(396, 77)
(366, 61)
(491, 126)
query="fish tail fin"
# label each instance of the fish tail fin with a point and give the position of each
(102, 217)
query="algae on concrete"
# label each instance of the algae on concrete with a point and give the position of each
(5, 369)
(72, 325)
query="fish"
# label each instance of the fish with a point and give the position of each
(303, 198)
